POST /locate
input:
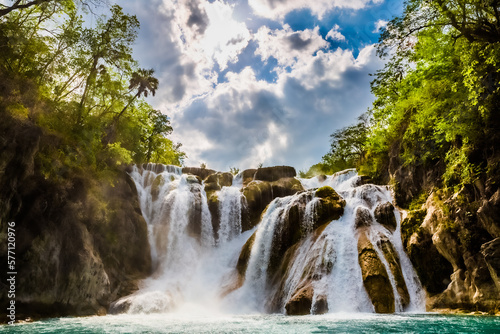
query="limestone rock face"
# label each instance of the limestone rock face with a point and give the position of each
(259, 194)
(491, 253)
(203, 173)
(447, 255)
(375, 278)
(392, 259)
(489, 215)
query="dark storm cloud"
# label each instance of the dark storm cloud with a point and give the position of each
(296, 41)
(198, 17)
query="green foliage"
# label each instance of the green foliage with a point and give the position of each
(118, 154)
(81, 85)
(234, 170)
(347, 150)
(437, 100)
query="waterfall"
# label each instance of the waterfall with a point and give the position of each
(187, 267)
(230, 213)
(195, 254)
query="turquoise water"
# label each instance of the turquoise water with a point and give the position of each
(331, 323)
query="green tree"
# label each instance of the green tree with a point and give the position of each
(110, 44)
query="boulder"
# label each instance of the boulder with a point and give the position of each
(375, 278)
(363, 217)
(384, 215)
(320, 306)
(275, 173)
(301, 301)
(321, 178)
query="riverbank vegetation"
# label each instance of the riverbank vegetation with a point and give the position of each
(80, 85)
(436, 100)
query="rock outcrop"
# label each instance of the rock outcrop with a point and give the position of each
(452, 254)
(80, 242)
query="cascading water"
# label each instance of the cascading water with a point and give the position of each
(329, 261)
(187, 267)
(194, 259)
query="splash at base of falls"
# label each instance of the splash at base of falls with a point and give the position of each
(308, 254)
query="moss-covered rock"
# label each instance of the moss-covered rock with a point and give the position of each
(202, 173)
(412, 224)
(158, 182)
(193, 179)
(375, 278)
(248, 176)
(213, 207)
(221, 179)
(331, 205)
(81, 241)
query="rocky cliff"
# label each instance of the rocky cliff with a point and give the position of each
(81, 241)
(451, 236)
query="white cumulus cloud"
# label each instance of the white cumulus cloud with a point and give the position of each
(335, 34)
(288, 46)
(277, 9)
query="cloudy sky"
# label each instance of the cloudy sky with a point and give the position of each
(260, 81)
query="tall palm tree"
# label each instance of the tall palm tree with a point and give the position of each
(144, 81)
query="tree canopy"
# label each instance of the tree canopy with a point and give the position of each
(437, 98)
(81, 83)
